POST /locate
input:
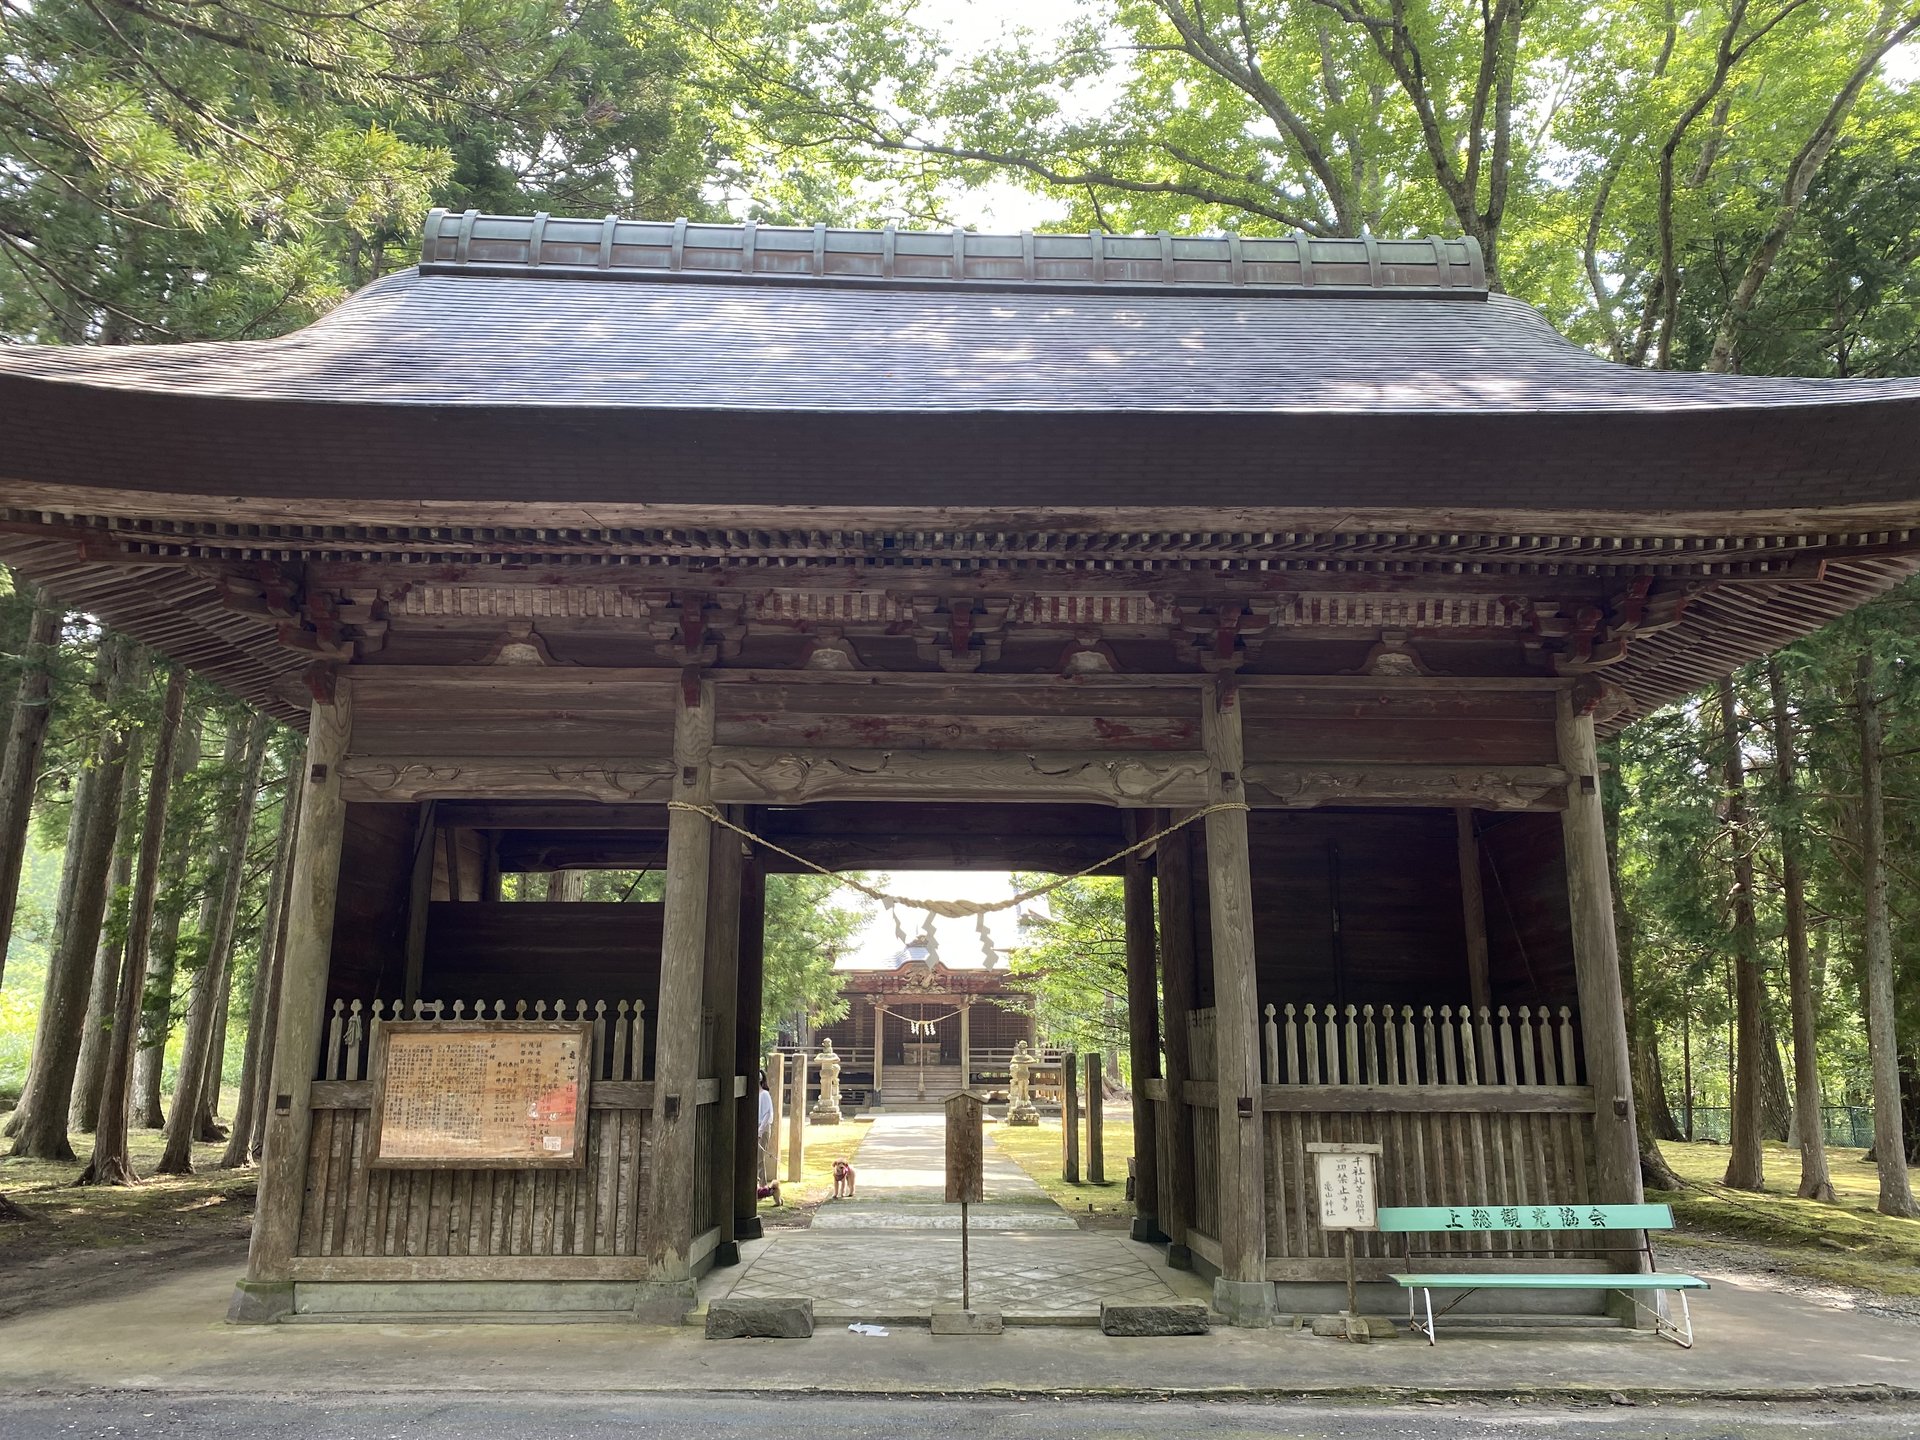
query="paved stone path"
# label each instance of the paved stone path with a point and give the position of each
(893, 1253)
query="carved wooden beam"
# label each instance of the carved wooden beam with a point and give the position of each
(772, 775)
(1488, 787)
(399, 778)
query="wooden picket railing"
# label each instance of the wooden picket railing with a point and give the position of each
(1392, 1045)
(619, 1031)
(361, 1222)
(1470, 1107)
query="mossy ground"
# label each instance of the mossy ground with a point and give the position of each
(1848, 1242)
(1037, 1149)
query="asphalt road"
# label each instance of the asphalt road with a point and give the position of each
(725, 1417)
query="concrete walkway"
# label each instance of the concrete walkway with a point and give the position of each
(892, 1254)
(169, 1337)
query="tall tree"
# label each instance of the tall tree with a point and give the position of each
(209, 998)
(111, 1164)
(91, 1073)
(261, 1006)
(180, 881)
(1809, 1127)
(1746, 1160)
(20, 761)
(43, 1108)
(1889, 1139)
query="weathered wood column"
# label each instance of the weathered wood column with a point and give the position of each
(879, 1049)
(797, 1120)
(722, 982)
(1143, 1042)
(1596, 963)
(1173, 864)
(1473, 910)
(683, 951)
(747, 1016)
(267, 1292)
(426, 841)
(1242, 1292)
(966, 1044)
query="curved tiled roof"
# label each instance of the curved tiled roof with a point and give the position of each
(710, 345)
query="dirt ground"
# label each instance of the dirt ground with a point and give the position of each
(80, 1243)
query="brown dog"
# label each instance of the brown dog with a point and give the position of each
(842, 1180)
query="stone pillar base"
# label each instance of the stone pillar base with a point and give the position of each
(748, 1227)
(1247, 1304)
(1023, 1114)
(260, 1302)
(825, 1117)
(1146, 1228)
(1179, 1257)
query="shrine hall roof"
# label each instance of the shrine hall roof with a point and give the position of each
(1172, 336)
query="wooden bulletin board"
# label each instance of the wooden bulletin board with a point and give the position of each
(481, 1094)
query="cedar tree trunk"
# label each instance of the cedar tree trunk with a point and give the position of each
(208, 1007)
(111, 1164)
(113, 946)
(1746, 1163)
(259, 1008)
(20, 765)
(163, 948)
(1889, 1140)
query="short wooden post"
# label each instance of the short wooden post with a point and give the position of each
(747, 1016)
(1143, 1043)
(777, 1087)
(1070, 1118)
(1173, 866)
(1473, 909)
(677, 1017)
(311, 894)
(797, 1122)
(1096, 1120)
(722, 984)
(1596, 963)
(1242, 1292)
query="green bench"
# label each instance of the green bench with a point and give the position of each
(1412, 1220)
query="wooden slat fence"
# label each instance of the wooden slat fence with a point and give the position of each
(1394, 1045)
(1469, 1108)
(361, 1222)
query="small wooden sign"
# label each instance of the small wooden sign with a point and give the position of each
(966, 1159)
(481, 1094)
(1347, 1185)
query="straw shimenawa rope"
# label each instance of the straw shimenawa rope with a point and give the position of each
(955, 909)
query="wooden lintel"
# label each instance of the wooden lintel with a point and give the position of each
(770, 775)
(406, 778)
(1426, 1099)
(1484, 787)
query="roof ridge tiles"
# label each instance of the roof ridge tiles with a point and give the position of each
(468, 242)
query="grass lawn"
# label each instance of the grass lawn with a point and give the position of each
(1036, 1149)
(824, 1145)
(1849, 1242)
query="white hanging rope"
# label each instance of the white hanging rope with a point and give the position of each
(956, 909)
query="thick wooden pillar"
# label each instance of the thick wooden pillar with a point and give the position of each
(683, 951)
(879, 1048)
(1143, 1043)
(1242, 1292)
(1173, 864)
(267, 1293)
(1596, 964)
(724, 867)
(1473, 910)
(426, 842)
(966, 1045)
(747, 1017)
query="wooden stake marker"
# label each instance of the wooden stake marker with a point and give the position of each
(1346, 1183)
(966, 1185)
